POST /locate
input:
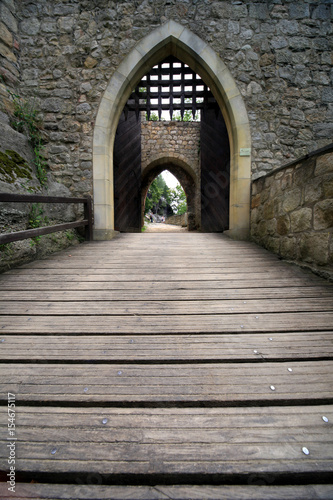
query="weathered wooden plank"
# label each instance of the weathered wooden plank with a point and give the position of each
(130, 262)
(181, 427)
(175, 441)
(162, 492)
(251, 413)
(154, 324)
(173, 383)
(111, 434)
(162, 307)
(174, 371)
(225, 441)
(169, 294)
(168, 347)
(158, 277)
(149, 286)
(120, 271)
(167, 457)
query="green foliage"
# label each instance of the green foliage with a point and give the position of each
(37, 219)
(158, 196)
(70, 235)
(153, 117)
(7, 249)
(25, 120)
(178, 200)
(187, 117)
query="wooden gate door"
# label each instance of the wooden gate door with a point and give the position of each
(215, 172)
(127, 174)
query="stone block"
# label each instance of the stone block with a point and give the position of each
(267, 59)
(288, 248)
(30, 26)
(288, 27)
(271, 226)
(7, 18)
(299, 10)
(7, 53)
(65, 24)
(61, 9)
(269, 209)
(286, 181)
(292, 200)
(283, 225)
(323, 130)
(256, 201)
(48, 27)
(254, 215)
(259, 183)
(273, 244)
(261, 229)
(323, 214)
(313, 247)
(328, 186)
(11, 5)
(304, 172)
(5, 35)
(259, 11)
(265, 194)
(324, 164)
(52, 105)
(322, 11)
(301, 220)
(313, 190)
(327, 94)
(90, 62)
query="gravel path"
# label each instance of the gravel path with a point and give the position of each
(161, 227)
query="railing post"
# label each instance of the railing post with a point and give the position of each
(88, 214)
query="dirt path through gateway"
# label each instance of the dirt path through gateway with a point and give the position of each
(161, 227)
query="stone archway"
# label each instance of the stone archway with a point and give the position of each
(187, 179)
(172, 39)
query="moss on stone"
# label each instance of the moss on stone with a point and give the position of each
(13, 166)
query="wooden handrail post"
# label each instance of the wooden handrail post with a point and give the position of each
(88, 214)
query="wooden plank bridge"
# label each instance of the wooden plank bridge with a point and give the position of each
(167, 366)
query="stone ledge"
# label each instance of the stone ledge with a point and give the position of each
(311, 154)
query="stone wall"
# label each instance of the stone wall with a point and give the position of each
(177, 220)
(17, 161)
(179, 140)
(292, 211)
(9, 52)
(279, 53)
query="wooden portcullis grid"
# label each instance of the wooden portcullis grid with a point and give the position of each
(171, 85)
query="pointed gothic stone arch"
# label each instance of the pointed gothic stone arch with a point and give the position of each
(172, 39)
(185, 176)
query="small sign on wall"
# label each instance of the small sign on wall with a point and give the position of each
(245, 152)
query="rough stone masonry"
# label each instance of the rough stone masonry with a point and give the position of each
(279, 52)
(62, 54)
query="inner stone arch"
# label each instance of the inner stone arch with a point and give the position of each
(171, 39)
(187, 179)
